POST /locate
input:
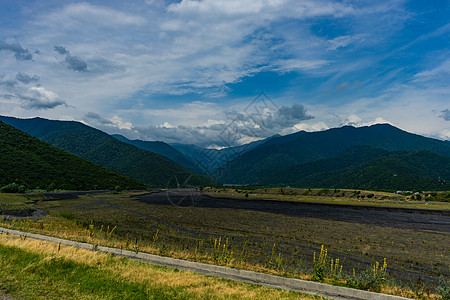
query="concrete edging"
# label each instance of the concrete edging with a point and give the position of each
(311, 287)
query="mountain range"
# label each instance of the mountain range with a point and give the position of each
(151, 169)
(373, 157)
(286, 151)
(27, 161)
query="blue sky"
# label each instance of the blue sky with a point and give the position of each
(183, 71)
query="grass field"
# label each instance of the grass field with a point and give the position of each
(31, 269)
(260, 241)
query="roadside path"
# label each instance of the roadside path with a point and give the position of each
(326, 290)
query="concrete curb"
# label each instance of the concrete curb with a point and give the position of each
(326, 290)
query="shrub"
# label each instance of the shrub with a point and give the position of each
(320, 265)
(372, 279)
(13, 188)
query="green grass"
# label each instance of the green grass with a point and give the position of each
(13, 199)
(31, 269)
(28, 275)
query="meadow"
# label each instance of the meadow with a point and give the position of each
(401, 261)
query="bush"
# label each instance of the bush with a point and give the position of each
(320, 265)
(325, 266)
(13, 188)
(372, 279)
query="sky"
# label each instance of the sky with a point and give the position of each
(218, 73)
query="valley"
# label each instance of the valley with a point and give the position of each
(372, 212)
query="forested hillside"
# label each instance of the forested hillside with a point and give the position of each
(27, 161)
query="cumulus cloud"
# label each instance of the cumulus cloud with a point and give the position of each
(445, 114)
(235, 128)
(19, 52)
(318, 126)
(74, 63)
(17, 87)
(35, 98)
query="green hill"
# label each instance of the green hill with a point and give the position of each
(27, 161)
(352, 156)
(160, 148)
(305, 147)
(103, 149)
(405, 170)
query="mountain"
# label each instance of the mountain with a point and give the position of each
(404, 170)
(105, 150)
(350, 157)
(160, 148)
(27, 161)
(305, 147)
(210, 160)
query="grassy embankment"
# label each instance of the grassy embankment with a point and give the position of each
(270, 243)
(31, 269)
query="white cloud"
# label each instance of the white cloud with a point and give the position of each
(344, 41)
(317, 126)
(442, 72)
(120, 123)
(352, 120)
(288, 65)
(76, 16)
(445, 134)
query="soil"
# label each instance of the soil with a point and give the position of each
(403, 218)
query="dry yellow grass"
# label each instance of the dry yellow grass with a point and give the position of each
(199, 285)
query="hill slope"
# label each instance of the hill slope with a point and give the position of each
(35, 164)
(160, 148)
(103, 149)
(281, 152)
(350, 157)
(405, 170)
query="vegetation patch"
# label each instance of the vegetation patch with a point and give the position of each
(402, 199)
(33, 269)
